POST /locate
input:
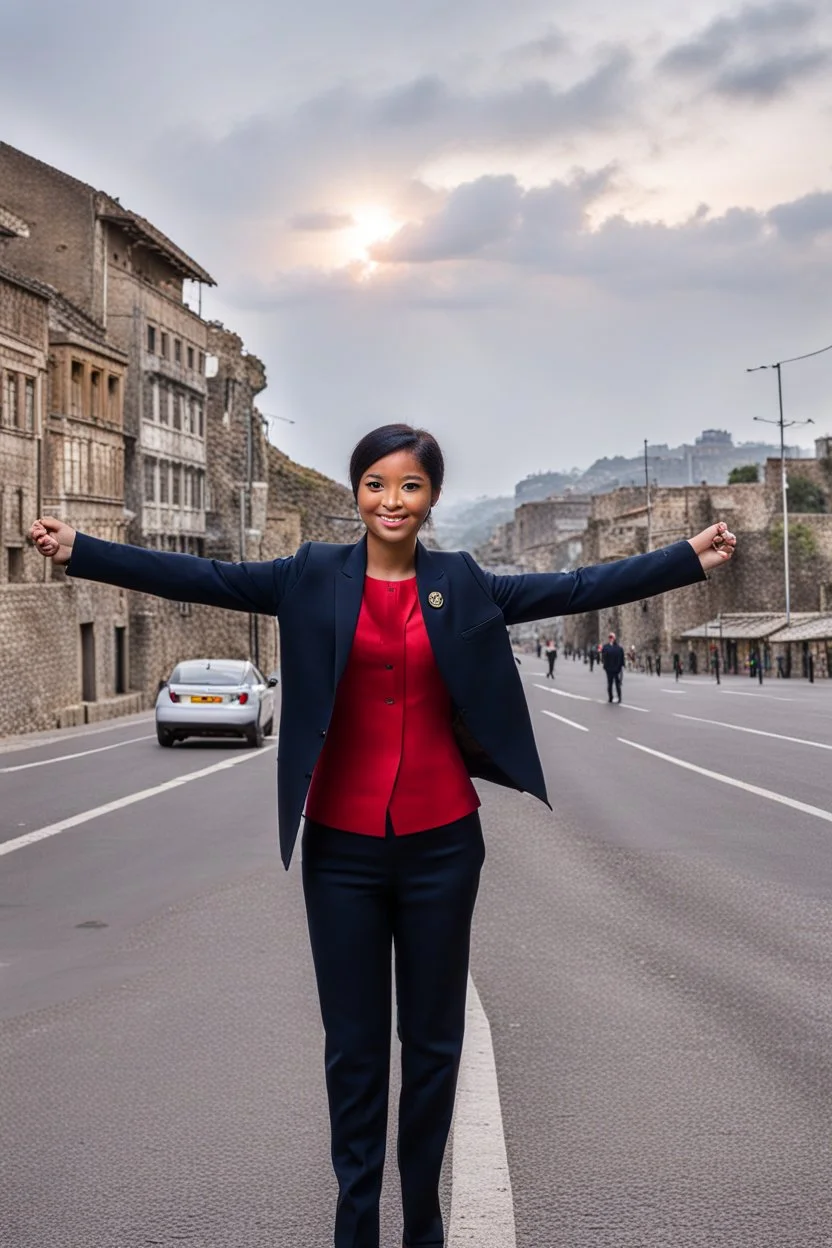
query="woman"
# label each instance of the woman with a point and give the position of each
(386, 713)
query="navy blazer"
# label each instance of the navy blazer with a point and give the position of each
(316, 596)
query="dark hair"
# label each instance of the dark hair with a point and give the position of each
(389, 439)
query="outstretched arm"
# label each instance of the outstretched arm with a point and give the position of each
(255, 587)
(538, 596)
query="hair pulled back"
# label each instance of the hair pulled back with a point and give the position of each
(387, 440)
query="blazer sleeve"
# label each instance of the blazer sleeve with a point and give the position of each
(256, 587)
(539, 595)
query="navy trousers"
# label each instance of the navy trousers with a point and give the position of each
(365, 897)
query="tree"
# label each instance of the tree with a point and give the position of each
(805, 496)
(745, 474)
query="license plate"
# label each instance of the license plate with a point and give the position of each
(206, 698)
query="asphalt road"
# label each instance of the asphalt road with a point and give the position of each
(653, 957)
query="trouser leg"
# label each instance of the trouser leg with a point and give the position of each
(436, 890)
(348, 906)
(618, 685)
(610, 679)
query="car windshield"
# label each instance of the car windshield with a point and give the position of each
(205, 674)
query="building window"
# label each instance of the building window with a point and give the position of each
(199, 486)
(14, 563)
(165, 405)
(10, 397)
(179, 419)
(151, 339)
(29, 404)
(164, 347)
(155, 406)
(177, 350)
(76, 388)
(202, 363)
(95, 393)
(200, 417)
(112, 399)
(120, 655)
(190, 357)
(164, 481)
(150, 480)
(176, 485)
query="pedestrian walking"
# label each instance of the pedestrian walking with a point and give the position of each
(551, 655)
(399, 685)
(677, 666)
(612, 658)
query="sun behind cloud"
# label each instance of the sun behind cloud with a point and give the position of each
(372, 224)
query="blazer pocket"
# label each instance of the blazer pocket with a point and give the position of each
(485, 626)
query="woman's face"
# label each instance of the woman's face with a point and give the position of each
(394, 497)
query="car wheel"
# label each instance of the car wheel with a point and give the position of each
(165, 736)
(269, 728)
(256, 736)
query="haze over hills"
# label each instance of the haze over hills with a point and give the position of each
(466, 524)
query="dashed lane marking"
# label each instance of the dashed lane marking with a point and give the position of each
(13, 746)
(625, 706)
(740, 693)
(63, 758)
(482, 1208)
(757, 732)
(561, 693)
(564, 720)
(673, 691)
(53, 829)
(816, 811)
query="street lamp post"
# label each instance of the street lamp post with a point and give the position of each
(784, 480)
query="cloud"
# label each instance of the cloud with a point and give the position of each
(803, 219)
(751, 26)
(543, 48)
(474, 215)
(772, 77)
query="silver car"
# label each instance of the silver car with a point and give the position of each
(215, 698)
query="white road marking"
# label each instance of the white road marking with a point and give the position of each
(563, 720)
(579, 697)
(673, 691)
(626, 706)
(739, 693)
(52, 829)
(44, 762)
(803, 807)
(757, 732)
(482, 1208)
(13, 747)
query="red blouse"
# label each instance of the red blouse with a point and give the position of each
(390, 746)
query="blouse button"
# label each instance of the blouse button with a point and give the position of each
(389, 701)
(388, 667)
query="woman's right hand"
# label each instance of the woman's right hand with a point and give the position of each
(53, 538)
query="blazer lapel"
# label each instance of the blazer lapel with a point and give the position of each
(431, 580)
(349, 590)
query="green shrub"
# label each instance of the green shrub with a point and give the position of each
(745, 474)
(802, 541)
(804, 496)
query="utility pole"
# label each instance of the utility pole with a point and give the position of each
(784, 480)
(649, 505)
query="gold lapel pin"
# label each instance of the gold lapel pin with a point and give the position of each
(435, 599)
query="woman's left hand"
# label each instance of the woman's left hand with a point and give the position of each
(714, 546)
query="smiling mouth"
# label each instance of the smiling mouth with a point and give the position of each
(392, 522)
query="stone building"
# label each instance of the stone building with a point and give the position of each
(65, 646)
(128, 277)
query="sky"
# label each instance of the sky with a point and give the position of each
(544, 231)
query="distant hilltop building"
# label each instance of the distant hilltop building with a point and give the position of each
(708, 460)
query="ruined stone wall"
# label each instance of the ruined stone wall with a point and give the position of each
(753, 582)
(326, 508)
(40, 630)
